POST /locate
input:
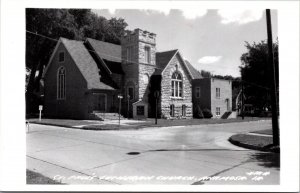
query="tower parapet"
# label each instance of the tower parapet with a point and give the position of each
(140, 46)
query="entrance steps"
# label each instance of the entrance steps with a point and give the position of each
(226, 115)
(105, 116)
(229, 115)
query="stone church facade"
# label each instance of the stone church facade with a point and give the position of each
(86, 78)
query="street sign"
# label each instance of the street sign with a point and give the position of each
(40, 107)
(120, 96)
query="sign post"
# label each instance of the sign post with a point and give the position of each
(40, 109)
(128, 97)
(120, 98)
(156, 95)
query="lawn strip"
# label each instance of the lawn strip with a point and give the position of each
(36, 178)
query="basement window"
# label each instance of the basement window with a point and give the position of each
(218, 111)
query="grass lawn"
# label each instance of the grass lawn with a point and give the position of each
(263, 143)
(183, 122)
(36, 178)
(266, 132)
(98, 125)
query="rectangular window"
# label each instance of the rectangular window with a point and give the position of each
(140, 110)
(61, 57)
(147, 55)
(198, 92)
(172, 110)
(183, 110)
(130, 93)
(173, 88)
(218, 94)
(176, 88)
(180, 89)
(129, 54)
(218, 111)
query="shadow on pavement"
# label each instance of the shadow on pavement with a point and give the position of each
(269, 160)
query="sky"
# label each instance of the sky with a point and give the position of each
(212, 40)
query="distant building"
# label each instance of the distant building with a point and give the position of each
(84, 79)
(213, 94)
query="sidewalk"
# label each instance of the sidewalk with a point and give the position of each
(260, 140)
(136, 124)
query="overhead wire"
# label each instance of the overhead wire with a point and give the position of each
(130, 61)
(104, 54)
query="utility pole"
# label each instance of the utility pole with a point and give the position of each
(275, 125)
(242, 99)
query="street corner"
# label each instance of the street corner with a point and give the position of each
(255, 141)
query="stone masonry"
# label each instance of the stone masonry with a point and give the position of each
(137, 70)
(167, 100)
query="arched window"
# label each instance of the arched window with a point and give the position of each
(61, 83)
(177, 90)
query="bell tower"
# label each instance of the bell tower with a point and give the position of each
(138, 61)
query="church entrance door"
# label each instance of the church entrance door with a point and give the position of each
(100, 101)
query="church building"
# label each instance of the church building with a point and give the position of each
(91, 78)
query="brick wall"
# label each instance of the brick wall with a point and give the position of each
(204, 101)
(205, 93)
(167, 99)
(75, 105)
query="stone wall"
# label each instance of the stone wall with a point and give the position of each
(145, 72)
(166, 99)
(137, 71)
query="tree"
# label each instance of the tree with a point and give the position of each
(255, 74)
(205, 74)
(45, 26)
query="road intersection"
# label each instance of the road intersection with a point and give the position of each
(185, 155)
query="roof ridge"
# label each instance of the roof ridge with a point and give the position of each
(103, 41)
(167, 51)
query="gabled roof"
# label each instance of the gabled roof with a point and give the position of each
(163, 59)
(105, 50)
(109, 53)
(196, 74)
(85, 64)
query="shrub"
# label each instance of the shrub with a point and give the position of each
(207, 113)
(198, 113)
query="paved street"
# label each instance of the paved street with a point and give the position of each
(170, 155)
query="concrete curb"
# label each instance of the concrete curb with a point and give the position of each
(268, 148)
(86, 127)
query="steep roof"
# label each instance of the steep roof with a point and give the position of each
(105, 50)
(109, 53)
(196, 74)
(85, 64)
(163, 59)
